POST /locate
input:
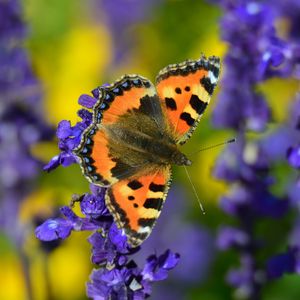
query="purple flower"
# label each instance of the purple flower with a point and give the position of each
(117, 276)
(157, 268)
(21, 121)
(121, 18)
(54, 229)
(130, 282)
(70, 136)
(92, 205)
(230, 237)
(255, 54)
(293, 155)
(282, 263)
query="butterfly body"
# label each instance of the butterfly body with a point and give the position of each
(133, 140)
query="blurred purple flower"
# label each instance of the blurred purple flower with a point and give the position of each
(22, 125)
(121, 17)
(21, 121)
(283, 263)
(294, 156)
(255, 54)
(231, 237)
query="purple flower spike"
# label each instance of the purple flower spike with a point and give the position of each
(54, 229)
(156, 267)
(87, 101)
(293, 155)
(118, 238)
(93, 205)
(70, 136)
(102, 250)
(255, 54)
(230, 237)
(283, 263)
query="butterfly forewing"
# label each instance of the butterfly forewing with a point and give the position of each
(185, 91)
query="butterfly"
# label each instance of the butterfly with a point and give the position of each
(133, 140)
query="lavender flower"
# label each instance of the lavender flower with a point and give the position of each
(118, 277)
(121, 17)
(255, 54)
(21, 124)
(69, 136)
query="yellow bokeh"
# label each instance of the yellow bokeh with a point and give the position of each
(76, 68)
(11, 278)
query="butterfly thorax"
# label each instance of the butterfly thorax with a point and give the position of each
(143, 145)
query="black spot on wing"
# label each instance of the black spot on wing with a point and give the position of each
(156, 187)
(144, 222)
(208, 86)
(155, 203)
(134, 185)
(131, 198)
(178, 90)
(187, 88)
(198, 105)
(170, 103)
(187, 118)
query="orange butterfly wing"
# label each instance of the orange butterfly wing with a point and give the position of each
(96, 161)
(185, 90)
(136, 203)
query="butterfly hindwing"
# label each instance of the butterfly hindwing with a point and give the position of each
(136, 203)
(185, 90)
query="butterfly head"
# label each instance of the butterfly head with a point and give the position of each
(180, 159)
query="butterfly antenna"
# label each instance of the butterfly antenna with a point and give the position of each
(215, 145)
(194, 190)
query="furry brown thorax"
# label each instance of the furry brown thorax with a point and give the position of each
(144, 145)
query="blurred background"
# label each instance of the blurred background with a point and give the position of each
(72, 47)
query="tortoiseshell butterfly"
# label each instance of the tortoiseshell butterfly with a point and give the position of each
(134, 137)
